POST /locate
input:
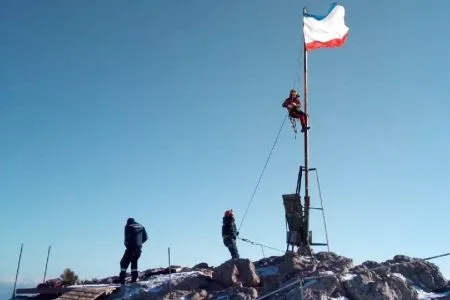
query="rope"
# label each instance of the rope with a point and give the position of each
(262, 173)
(259, 244)
(437, 256)
(301, 280)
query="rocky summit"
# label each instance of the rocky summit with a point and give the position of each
(325, 275)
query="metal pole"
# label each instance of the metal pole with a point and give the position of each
(302, 293)
(323, 210)
(17, 273)
(170, 275)
(46, 264)
(305, 96)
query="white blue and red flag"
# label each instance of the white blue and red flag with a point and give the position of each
(327, 31)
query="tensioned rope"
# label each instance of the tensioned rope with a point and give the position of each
(296, 81)
(261, 245)
(262, 173)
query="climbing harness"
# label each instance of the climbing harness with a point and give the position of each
(293, 124)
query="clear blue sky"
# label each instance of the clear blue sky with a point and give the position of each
(166, 111)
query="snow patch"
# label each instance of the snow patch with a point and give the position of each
(331, 273)
(398, 275)
(154, 285)
(421, 293)
(92, 285)
(426, 295)
(348, 276)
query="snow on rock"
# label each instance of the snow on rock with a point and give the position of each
(429, 295)
(423, 273)
(325, 276)
(347, 276)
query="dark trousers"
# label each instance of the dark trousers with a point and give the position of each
(230, 243)
(130, 256)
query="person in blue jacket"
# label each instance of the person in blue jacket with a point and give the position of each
(135, 237)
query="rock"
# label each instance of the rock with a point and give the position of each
(176, 295)
(199, 295)
(158, 271)
(295, 294)
(53, 283)
(142, 295)
(370, 264)
(270, 283)
(400, 288)
(371, 286)
(329, 261)
(247, 273)
(226, 274)
(402, 258)
(233, 272)
(294, 263)
(235, 293)
(269, 261)
(324, 287)
(368, 286)
(206, 272)
(422, 273)
(200, 266)
(192, 282)
(214, 286)
(185, 269)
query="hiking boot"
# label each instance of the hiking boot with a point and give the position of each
(303, 129)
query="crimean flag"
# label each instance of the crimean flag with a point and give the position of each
(327, 31)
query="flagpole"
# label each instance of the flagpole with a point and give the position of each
(306, 146)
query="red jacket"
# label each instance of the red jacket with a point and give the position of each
(290, 101)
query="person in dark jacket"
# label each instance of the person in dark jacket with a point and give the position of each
(229, 233)
(135, 237)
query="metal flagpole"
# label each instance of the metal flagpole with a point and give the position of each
(46, 264)
(170, 275)
(17, 272)
(306, 149)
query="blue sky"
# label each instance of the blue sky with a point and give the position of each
(166, 111)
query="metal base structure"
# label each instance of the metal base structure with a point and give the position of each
(297, 220)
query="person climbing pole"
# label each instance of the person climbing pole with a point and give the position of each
(135, 237)
(293, 104)
(230, 233)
